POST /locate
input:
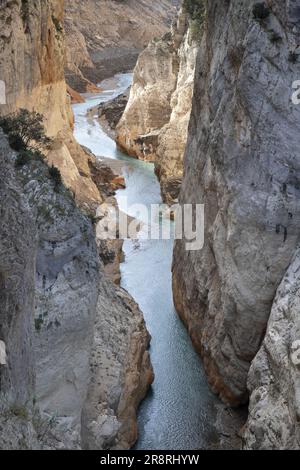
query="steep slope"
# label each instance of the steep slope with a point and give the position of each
(155, 122)
(62, 322)
(32, 67)
(49, 289)
(242, 162)
(274, 379)
(104, 37)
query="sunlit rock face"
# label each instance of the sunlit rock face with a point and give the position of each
(155, 122)
(105, 37)
(242, 162)
(32, 55)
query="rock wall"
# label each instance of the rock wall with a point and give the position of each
(274, 379)
(32, 67)
(154, 125)
(59, 313)
(104, 37)
(241, 161)
(49, 289)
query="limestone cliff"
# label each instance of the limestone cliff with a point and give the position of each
(32, 67)
(62, 321)
(104, 37)
(242, 162)
(155, 122)
(49, 289)
(274, 379)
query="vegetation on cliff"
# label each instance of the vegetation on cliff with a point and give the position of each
(196, 11)
(26, 135)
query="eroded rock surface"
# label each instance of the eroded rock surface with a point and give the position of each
(242, 162)
(105, 37)
(32, 56)
(274, 378)
(49, 290)
(111, 111)
(154, 125)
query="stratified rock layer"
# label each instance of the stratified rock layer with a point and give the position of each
(154, 125)
(242, 162)
(105, 37)
(32, 66)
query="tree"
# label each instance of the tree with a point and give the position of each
(26, 127)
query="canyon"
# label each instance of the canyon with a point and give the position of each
(210, 112)
(237, 155)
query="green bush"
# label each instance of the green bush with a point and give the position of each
(26, 134)
(195, 8)
(55, 176)
(16, 142)
(38, 323)
(261, 11)
(28, 126)
(195, 30)
(293, 57)
(25, 11)
(57, 24)
(196, 11)
(23, 158)
(275, 37)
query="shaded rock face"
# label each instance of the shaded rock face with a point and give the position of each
(104, 37)
(49, 290)
(155, 122)
(110, 112)
(274, 378)
(121, 372)
(241, 161)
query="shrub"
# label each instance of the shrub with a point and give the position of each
(23, 158)
(195, 30)
(235, 56)
(16, 142)
(38, 156)
(55, 176)
(194, 7)
(275, 37)
(38, 323)
(26, 134)
(293, 57)
(5, 124)
(57, 24)
(28, 126)
(260, 11)
(19, 411)
(25, 11)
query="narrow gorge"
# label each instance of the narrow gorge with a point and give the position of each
(144, 109)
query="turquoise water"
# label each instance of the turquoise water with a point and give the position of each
(179, 411)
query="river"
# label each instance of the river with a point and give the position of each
(179, 411)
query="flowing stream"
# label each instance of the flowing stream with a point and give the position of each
(179, 411)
